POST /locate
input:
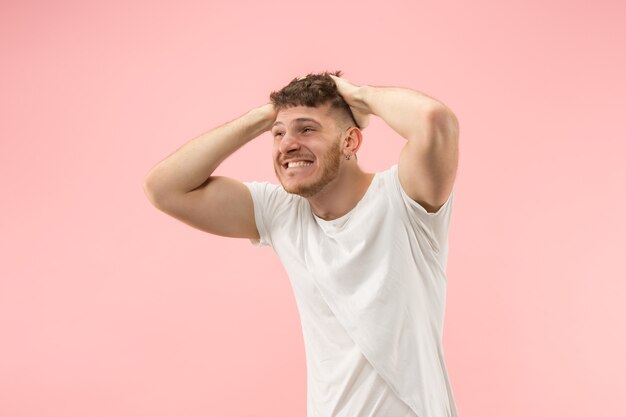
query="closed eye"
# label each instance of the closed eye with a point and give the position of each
(304, 130)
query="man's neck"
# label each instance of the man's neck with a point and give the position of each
(342, 194)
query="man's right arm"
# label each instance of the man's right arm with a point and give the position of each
(182, 186)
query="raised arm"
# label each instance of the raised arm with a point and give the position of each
(429, 160)
(182, 186)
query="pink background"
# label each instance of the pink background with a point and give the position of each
(109, 307)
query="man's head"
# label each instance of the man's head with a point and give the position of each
(314, 134)
(312, 91)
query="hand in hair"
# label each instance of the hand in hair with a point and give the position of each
(353, 95)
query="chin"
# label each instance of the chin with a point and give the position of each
(305, 189)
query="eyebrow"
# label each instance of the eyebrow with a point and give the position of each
(299, 120)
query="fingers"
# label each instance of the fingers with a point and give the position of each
(347, 90)
(340, 82)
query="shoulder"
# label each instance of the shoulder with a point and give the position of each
(271, 197)
(393, 185)
(262, 187)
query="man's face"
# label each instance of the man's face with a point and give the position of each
(307, 149)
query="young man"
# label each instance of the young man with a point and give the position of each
(366, 253)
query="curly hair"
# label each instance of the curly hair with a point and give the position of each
(312, 91)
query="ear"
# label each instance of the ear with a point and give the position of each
(353, 140)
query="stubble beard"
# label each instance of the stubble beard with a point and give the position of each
(330, 165)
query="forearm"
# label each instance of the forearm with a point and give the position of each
(193, 163)
(406, 111)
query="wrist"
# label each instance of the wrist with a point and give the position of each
(263, 117)
(362, 99)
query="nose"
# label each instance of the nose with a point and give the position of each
(288, 143)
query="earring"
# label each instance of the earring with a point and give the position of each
(348, 157)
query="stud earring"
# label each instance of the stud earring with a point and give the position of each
(348, 157)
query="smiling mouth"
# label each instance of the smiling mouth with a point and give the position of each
(297, 164)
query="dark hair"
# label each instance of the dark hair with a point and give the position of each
(312, 91)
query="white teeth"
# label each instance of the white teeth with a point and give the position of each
(299, 164)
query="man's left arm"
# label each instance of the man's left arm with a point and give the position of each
(428, 161)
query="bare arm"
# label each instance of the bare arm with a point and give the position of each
(181, 185)
(429, 160)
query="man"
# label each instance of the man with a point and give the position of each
(365, 252)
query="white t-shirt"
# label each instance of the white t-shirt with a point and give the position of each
(370, 288)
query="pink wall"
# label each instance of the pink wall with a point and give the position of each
(110, 308)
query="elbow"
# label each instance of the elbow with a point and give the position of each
(162, 194)
(149, 192)
(445, 124)
(152, 191)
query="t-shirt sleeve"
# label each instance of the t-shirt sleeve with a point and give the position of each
(434, 225)
(259, 192)
(270, 202)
